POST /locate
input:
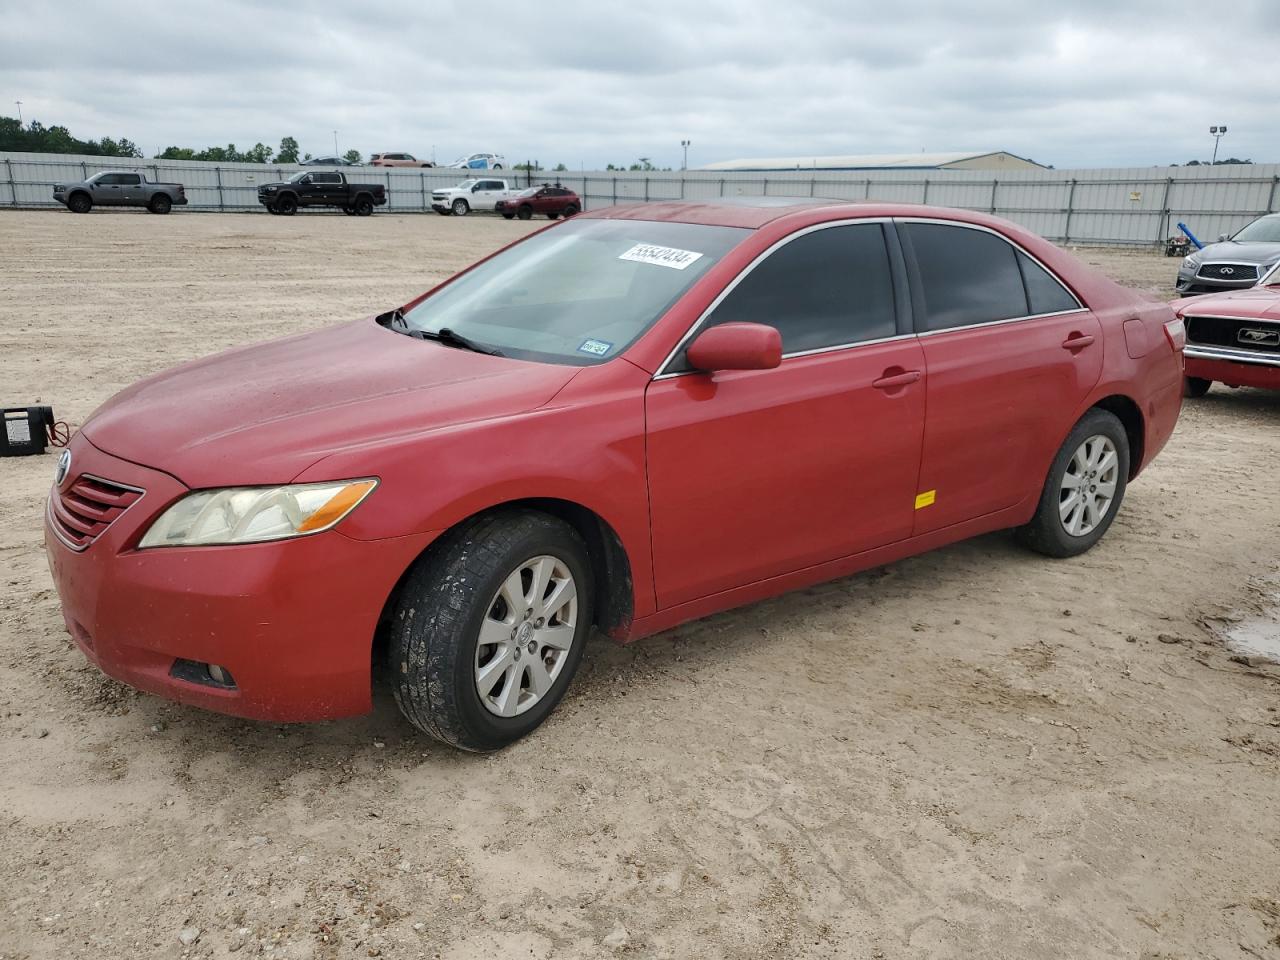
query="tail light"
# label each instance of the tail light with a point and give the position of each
(1175, 332)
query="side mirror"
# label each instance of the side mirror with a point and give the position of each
(736, 346)
(1223, 236)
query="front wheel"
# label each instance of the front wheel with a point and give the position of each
(489, 628)
(287, 206)
(1084, 489)
(1195, 386)
(460, 208)
(80, 203)
(525, 212)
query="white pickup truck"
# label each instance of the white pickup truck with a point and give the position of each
(474, 194)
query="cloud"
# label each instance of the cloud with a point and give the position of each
(1088, 84)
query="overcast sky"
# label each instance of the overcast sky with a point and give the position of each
(1091, 83)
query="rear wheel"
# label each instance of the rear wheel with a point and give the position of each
(1084, 489)
(80, 203)
(570, 210)
(1195, 386)
(489, 629)
(497, 166)
(363, 207)
(160, 203)
(460, 207)
(525, 212)
(349, 210)
(287, 206)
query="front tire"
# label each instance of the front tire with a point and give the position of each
(525, 212)
(489, 628)
(80, 203)
(1195, 387)
(1084, 489)
(460, 208)
(287, 206)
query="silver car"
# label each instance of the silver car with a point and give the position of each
(1234, 262)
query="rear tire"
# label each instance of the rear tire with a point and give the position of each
(570, 211)
(497, 166)
(80, 203)
(287, 206)
(525, 212)
(160, 204)
(1084, 489)
(460, 208)
(364, 207)
(470, 668)
(1195, 387)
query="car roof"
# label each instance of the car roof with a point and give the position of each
(750, 212)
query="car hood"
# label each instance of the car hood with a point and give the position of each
(1233, 252)
(1261, 303)
(262, 414)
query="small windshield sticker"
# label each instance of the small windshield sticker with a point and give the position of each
(662, 256)
(597, 348)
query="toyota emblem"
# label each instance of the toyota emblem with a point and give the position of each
(63, 470)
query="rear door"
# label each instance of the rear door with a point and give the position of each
(131, 189)
(757, 473)
(1011, 355)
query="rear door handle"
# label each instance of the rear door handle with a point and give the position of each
(1077, 342)
(891, 381)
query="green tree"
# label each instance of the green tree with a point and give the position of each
(288, 152)
(35, 137)
(176, 153)
(559, 167)
(642, 164)
(260, 153)
(353, 156)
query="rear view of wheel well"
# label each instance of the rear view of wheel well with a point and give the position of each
(1129, 414)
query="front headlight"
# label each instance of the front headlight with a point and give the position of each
(255, 514)
(1189, 260)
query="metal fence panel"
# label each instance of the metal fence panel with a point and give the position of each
(1137, 206)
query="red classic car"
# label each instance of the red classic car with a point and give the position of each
(554, 201)
(1234, 338)
(626, 420)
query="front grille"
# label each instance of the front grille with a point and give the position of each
(82, 511)
(1228, 271)
(1239, 334)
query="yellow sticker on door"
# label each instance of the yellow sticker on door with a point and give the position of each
(926, 499)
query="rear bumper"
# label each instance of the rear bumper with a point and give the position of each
(180, 202)
(292, 621)
(1235, 373)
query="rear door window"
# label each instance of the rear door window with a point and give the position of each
(967, 276)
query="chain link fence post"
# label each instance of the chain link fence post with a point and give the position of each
(13, 184)
(218, 173)
(1066, 227)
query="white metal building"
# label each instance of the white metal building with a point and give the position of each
(992, 160)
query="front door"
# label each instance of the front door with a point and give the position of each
(1011, 355)
(753, 474)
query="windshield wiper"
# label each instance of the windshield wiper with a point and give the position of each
(396, 321)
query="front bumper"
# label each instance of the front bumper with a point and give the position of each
(1232, 367)
(292, 621)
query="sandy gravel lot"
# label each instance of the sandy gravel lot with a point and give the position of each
(976, 753)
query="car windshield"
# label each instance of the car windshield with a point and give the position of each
(1262, 230)
(579, 293)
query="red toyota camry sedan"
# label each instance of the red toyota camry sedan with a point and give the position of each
(627, 420)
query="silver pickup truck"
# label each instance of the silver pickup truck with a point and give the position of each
(119, 189)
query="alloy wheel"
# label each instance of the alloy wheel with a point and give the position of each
(526, 636)
(1088, 485)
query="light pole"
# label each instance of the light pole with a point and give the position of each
(685, 145)
(19, 103)
(1218, 133)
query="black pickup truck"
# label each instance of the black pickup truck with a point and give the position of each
(313, 188)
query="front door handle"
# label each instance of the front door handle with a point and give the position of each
(1077, 341)
(889, 381)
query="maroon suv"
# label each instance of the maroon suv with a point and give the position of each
(554, 201)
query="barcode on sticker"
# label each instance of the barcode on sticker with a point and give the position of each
(662, 256)
(17, 430)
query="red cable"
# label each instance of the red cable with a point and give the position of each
(59, 433)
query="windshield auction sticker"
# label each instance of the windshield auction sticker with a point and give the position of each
(662, 256)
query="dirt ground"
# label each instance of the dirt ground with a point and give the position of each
(975, 753)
